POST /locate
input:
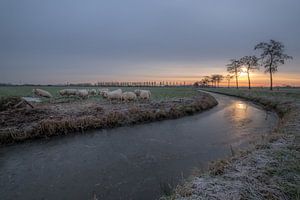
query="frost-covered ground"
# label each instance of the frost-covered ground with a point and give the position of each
(271, 170)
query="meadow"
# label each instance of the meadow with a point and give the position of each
(158, 93)
(67, 115)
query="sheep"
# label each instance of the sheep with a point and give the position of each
(143, 94)
(83, 93)
(103, 92)
(41, 93)
(116, 94)
(68, 92)
(128, 96)
(92, 92)
(137, 92)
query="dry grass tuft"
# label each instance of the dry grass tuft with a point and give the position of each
(218, 167)
(9, 102)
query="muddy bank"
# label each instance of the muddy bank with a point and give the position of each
(45, 120)
(269, 170)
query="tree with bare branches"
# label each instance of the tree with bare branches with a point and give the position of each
(271, 57)
(214, 80)
(204, 82)
(217, 78)
(251, 64)
(234, 67)
(228, 78)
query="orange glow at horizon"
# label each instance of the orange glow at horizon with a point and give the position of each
(192, 74)
(257, 79)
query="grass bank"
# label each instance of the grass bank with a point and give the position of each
(269, 170)
(50, 119)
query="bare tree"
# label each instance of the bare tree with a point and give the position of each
(204, 81)
(251, 64)
(207, 80)
(216, 78)
(219, 78)
(196, 84)
(234, 68)
(271, 57)
(213, 79)
(228, 78)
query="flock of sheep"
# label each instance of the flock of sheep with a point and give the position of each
(105, 93)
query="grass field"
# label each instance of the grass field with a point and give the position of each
(293, 93)
(158, 93)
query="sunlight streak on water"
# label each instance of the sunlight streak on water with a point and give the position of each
(240, 105)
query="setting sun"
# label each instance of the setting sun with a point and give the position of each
(243, 72)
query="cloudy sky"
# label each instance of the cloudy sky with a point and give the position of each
(59, 41)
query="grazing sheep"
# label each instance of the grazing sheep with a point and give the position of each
(68, 92)
(41, 93)
(114, 95)
(103, 92)
(92, 92)
(137, 92)
(128, 96)
(83, 93)
(143, 94)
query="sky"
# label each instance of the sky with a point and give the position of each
(60, 41)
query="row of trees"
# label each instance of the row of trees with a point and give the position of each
(210, 81)
(213, 80)
(142, 84)
(235, 67)
(272, 55)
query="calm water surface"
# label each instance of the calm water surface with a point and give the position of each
(129, 162)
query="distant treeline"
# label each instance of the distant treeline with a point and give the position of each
(143, 84)
(113, 84)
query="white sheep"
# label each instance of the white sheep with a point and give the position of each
(128, 96)
(42, 93)
(114, 95)
(68, 92)
(83, 93)
(143, 94)
(92, 92)
(137, 92)
(103, 92)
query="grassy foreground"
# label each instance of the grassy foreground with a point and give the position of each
(270, 170)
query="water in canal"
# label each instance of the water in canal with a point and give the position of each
(129, 162)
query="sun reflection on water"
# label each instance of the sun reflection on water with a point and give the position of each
(240, 105)
(239, 115)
